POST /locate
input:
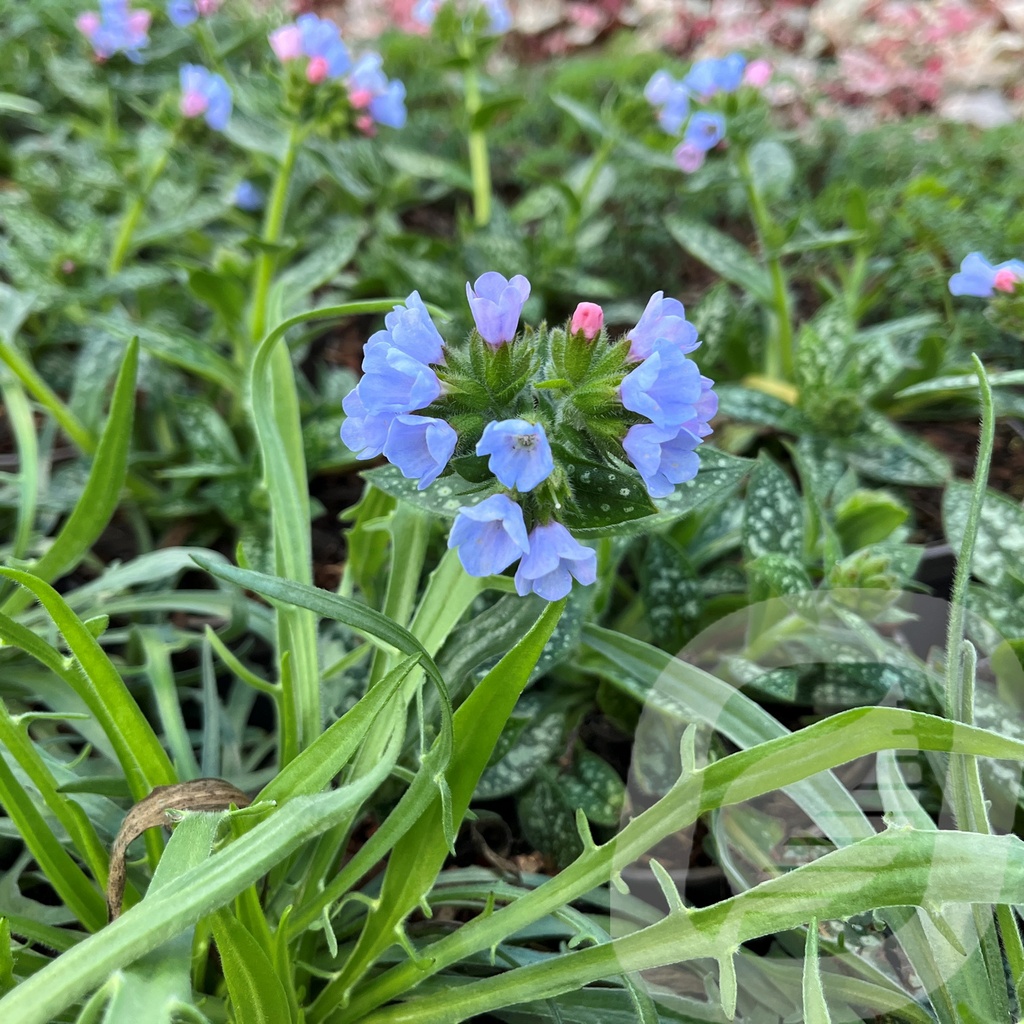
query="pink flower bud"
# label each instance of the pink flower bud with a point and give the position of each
(758, 73)
(88, 23)
(360, 98)
(193, 104)
(68, 267)
(688, 157)
(1005, 280)
(316, 70)
(286, 42)
(588, 319)
(138, 22)
(365, 124)
(207, 7)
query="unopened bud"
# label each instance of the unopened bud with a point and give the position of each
(588, 319)
(1005, 280)
(316, 70)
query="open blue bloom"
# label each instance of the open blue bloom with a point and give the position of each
(490, 536)
(664, 387)
(364, 432)
(420, 446)
(248, 197)
(496, 304)
(182, 12)
(322, 43)
(671, 98)
(664, 457)
(520, 455)
(395, 382)
(716, 74)
(662, 320)
(554, 558)
(370, 89)
(205, 93)
(980, 278)
(705, 130)
(410, 329)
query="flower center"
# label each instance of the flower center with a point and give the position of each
(525, 440)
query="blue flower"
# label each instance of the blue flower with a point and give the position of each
(182, 12)
(395, 382)
(979, 278)
(520, 455)
(496, 304)
(662, 320)
(490, 536)
(425, 11)
(664, 457)
(664, 387)
(410, 329)
(554, 558)
(204, 93)
(364, 432)
(248, 197)
(369, 89)
(713, 74)
(323, 45)
(420, 446)
(705, 130)
(672, 99)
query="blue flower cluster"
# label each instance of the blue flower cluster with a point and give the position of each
(115, 28)
(377, 99)
(184, 12)
(672, 98)
(981, 279)
(498, 16)
(517, 409)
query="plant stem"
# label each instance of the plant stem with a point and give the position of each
(273, 223)
(779, 350)
(130, 220)
(479, 163)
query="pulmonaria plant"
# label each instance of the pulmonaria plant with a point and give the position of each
(544, 432)
(115, 28)
(706, 83)
(316, 56)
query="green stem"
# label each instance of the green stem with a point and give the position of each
(479, 163)
(958, 606)
(272, 225)
(779, 350)
(130, 220)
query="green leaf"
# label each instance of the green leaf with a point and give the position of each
(490, 111)
(420, 853)
(257, 993)
(868, 517)
(12, 104)
(443, 498)
(99, 685)
(670, 592)
(725, 256)
(582, 115)
(102, 491)
(882, 451)
(774, 575)
(773, 518)
(548, 817)
(189, 897)
(594, 786)
(773, 169)
(532, 735)
(421, 164)
(323, 264)
(999, 549)
(749, 405)
(604, 498)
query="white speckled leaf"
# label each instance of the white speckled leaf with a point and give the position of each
(999, 551)
(774, 519)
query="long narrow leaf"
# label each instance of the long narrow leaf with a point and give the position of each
(102, 492)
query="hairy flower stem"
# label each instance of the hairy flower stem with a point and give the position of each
(779, 349)
(479, 162)
(130, 220)
(273, 224)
